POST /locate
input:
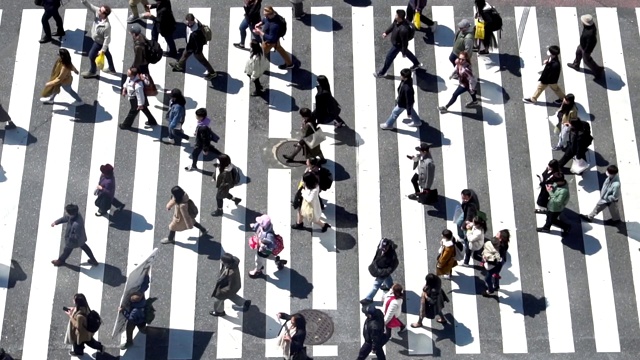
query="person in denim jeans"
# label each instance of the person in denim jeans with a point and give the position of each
(250, 20)
(101, 36)
(383, 265)
(175, 116)
(399, 31)
(405, 101)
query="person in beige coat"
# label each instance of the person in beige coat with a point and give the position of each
(61, 78)
(447, 255)
(78, 335)
(184, 213)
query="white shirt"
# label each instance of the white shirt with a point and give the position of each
(135, 88)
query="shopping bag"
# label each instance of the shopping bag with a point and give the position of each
(579, 166)
(315, 139)
(253, 242)
(416, 20)
(479, 30)
(100, 61)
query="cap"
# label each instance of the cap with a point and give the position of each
(135, 29)
(384, 243)
(263, 220)
(554, 50)
(369, 309)
(423, 147)
(106, 169)
(587, 19)
(464, 24)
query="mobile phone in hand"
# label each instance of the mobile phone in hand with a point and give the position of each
(65, 309)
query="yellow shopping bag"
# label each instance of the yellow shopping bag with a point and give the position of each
(100, 60)
(479, 30)
(416, 20)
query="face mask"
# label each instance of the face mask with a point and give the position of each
(548, 53)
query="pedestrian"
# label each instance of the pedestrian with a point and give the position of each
(446, 255)
(432, 301)
(579, 140)
(401, 33)
(373, 333)
(249, 21)
(324, 176)
(327, 107)
(203, 136)
(175, 117)
(416, 6)
(298, 10)
(503, 237)
(463, 41)
(135, 316)
(393, 309)
(78, 334)
(196, 41)
(567, 113)
(228, 177)
(135, 14)
(491, 261)
(140, 60)
(270, 29)
(310, 209)
(384, 263)
(558, 199)
(469, 209)
(101, 36)
(61, 78)
(485, 14)
(309, 127)
(106, 191)
(134, 90)
(164, 23)
(466, 82)
(404, 102)
(227, 286)
(184, 214)
(609, 196)
(256, 66)
(549, 77)
(588, 41)
(267, 240)
(51, 10)
(292, 336)
(549, 176)
(474, 239)
(74, 236)
(424, 168)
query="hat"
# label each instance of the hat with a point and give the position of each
(587, 19)
(369, 310)
(554, 50)
(135, 29)
(423, 147)
(263, 220)
(384, 243)
(464, 24)
(106, 169)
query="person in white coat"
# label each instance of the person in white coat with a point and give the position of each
(609, 196)
(392, 304)
(256, 66)
(310, 208)
(474, 240)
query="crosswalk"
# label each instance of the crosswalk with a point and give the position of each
(559, 298)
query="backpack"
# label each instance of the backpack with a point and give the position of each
(586, 137)
(206, 30)
(152, 51)
(496, 20)
(459, 256)
(93, 321)
(410, 29)
(282, 30)
(279, 245)
(149, 311)
(325, 179)
(236, 175)
(482, 215)
(193, 209)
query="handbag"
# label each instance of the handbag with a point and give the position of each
(100, 60)
(306, 210)
(579, 166)
(479, 30)
(315, 139)
(416, 20)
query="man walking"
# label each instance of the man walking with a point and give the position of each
(140, 61)
(401, 33)
(383, 265)
(195, 42)
(164, 23)
(373, 334)
(74, 236)
(609, 196)
(133, 5)
(463, 41)
(405, 101)
(133, 89)
(549, 77)
(588, 41)
(425, 170)
(101, 36)
(558, 199)
(51, 10)
(227, 286)
(271, 29)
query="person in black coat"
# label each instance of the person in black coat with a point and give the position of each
(549, 77)
(51, 10)
(296, 341)
(373, 334)
(196, 41)
(164, 24)
(383, 265)
(404, 101)
(588, 41)
(327, 108)
(549, 176)
(399, 30)
(251, 19)
(579, 140)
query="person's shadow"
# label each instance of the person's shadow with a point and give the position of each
(315, 19)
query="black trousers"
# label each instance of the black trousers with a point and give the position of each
(48, 14)
(553, 218)
(568, 155)
(411, 13)
(414, 181)
(93, 343)
(220, 198)
(67, 251)
(365, 350)
(133, 112)
(115, 202)
(129, 330)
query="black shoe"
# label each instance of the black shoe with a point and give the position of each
(191, 168)
(325, 227)
(45, 40)
(93, 262)
(280, 264)
(573, 66)
(384, 287)
(237, 201)
(121, 207)
(124, 127)
(544, 230)
(366, 301)
(149, 123)
(612, 222)
(72, 353)
(239, 45)
(60, 33)
(213, 313)
(585, 218)
(288, 158)
(297, 226)
(247, 305)
(10, 125)
(413, 196)
(218, 212)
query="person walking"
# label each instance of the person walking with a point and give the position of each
(327, 107)
(393, 309)
(310, 208)
(579, 140)
(609, 196)
(309, 127)
(140, 60)
(384, 263)
(466, 82)
(292, 336)
(101, 36)
(404, 101)
(417, 6)
(401, 33)
(51, 10)
(485, 14)
(249, 21)
(135, 14)
(549, 77)
(503, 237)
(135, 316)
(106, 191)
(266, 238)
(432, 301)
(203, 136)
(270, 29)
(74, 236)
(298, 10)
(134, 90)
(470, 207)
(588, 41)
(228, 177)
(446, 255)
(492, 263)
(175, 117)
(78, 334)
(463, 41)
(567, 113)
(196, 41)
(184, 213)
(256, 66)
(558, 199)
(373, 333)
(550, 175)
(164, 23)
(474, 239)
(424, 168)
(227, 286)
(61, 78)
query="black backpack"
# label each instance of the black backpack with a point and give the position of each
(496, 20)
(93, 322)
(235, 172)
(152, 51)
(411, 30)
(282, 30)
(325, 179)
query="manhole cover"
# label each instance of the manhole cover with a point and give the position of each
(287, 148)
(319, 326)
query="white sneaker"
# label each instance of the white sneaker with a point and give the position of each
(77, 103)
(415, 124)
(46, 100)
(384, 126)
(447, 277)
(132, 19)
(168, 140)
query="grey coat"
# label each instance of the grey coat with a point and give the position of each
(610, 191)
(426, 170)
(74, 236)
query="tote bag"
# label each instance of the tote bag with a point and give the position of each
(479, 30)
(315, 139)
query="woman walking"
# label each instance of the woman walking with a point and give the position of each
(106, 191)
(491, 259)
(549, 176)
(309, 126)
(228, 177)
(432, 301)
(250, 20)
(175, 116)
(256, 66)
(61, 78)
(393, 309)
(467, 82)
(184, 213)
(446, 255)
(483, 14)
(266, 244)
(310, 207)
(567, 113)
(78, 334)
(203, 138)
(475, 238)
(292, 336)
(164, 23)
(327, 108)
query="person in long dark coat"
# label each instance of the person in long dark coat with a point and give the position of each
(164, 23)
(432, 301)
(549, 176)
(106, 191)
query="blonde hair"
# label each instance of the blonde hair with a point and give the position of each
(269, 9)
